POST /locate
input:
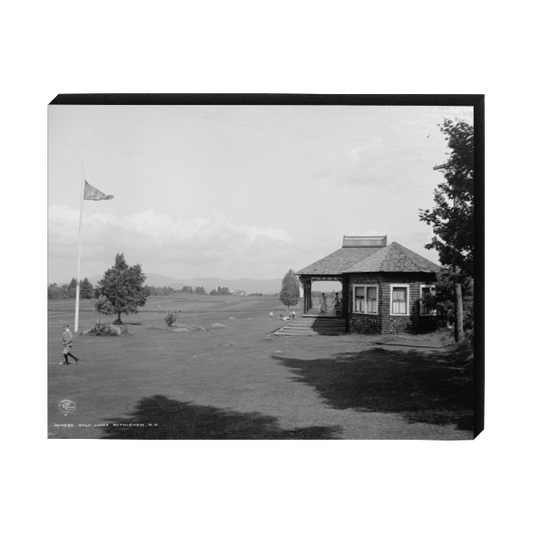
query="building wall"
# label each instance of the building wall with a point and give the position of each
(383, 322)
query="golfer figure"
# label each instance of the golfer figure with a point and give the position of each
(67, 345)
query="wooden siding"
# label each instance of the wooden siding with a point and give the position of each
(384, 322)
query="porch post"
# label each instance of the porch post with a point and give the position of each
(307, 295)
(302, 283)
(346, 301)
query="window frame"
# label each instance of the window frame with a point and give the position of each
(365, 299)
(431, 287)
(400, 286)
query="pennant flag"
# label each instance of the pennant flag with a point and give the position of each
(92, 193)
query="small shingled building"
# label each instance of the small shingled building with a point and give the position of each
(382, 285)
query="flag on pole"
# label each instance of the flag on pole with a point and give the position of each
(92, 193)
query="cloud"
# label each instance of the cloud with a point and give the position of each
(269, 233)
(158, 238)
(374, 167)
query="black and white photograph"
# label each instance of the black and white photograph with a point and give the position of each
(265, 268)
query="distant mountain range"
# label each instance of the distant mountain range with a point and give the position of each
(265, 286)
(249, 285)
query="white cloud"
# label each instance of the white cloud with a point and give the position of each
(159, 238)
(201, 221)
(355, 153)
(271, 233)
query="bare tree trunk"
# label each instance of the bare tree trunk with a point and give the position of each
(459, 331)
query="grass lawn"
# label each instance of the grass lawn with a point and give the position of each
(241, 382)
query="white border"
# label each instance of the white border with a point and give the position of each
(402, 285)
(365, 312)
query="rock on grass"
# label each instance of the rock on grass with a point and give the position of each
(194, 327)
(184, 327)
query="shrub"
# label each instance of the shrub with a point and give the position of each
(99, 329)
(171, 317)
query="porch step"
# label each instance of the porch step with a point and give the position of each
(314, 325)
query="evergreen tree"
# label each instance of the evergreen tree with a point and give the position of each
(290, 290)
(86, 289)
(122, 285)
(103, 306)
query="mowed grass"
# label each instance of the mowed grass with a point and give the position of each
(242, 382)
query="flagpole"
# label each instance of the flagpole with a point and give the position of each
(78, 281)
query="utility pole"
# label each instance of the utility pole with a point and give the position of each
(458, 291)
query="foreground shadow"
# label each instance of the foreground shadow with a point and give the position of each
(420, 387)
(158, 418)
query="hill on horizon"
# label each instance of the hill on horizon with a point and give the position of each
(155, 280)
(249, 285)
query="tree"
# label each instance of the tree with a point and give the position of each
(57, 293)
(71, 290)
(122, 285)
(452, 218)
(290, 290)
(442, 300)
(86, 289)
(221, 291)
(103, 306)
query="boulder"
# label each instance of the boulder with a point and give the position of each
(194, 327)
(120, 330)
(218, 325)
(180, 330)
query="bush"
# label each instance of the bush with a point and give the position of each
(171, 317)
(99, 329)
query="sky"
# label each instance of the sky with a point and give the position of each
(237, 191)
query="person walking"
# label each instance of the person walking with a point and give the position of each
(67, 345)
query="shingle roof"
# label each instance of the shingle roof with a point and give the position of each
(394, 258)
(338, 262)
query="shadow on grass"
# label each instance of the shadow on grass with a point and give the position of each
(420, 387)
(158, 418)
